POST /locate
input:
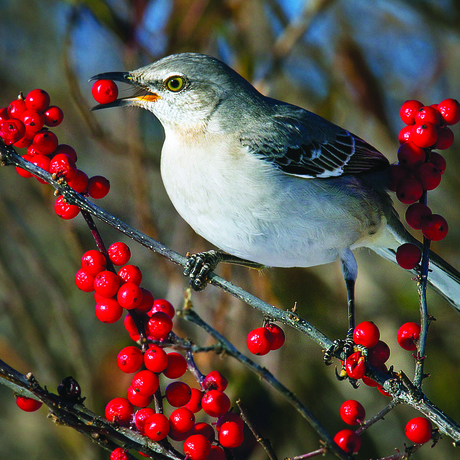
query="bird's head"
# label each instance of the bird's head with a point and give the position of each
(185, 91)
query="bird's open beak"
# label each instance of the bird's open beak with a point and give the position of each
(124, 77)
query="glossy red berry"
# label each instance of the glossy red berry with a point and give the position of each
(164, 306)
(159, 325)
(119, 253)
(408, 336)
(215, 381)
(428, 114)
(419, 430)
(424, 134)
(136, 399)
(108, 311)
(178, 394)
(415, 214)
(445, 138)
(130, 274)
(63, 166)
(205, 429)
(378, 354)
(145, 383)
(106, 283)
(119, 454)
(230, 435)
(45, 142)
(67, 150)
(65, 210)
(348, 440)
(182, 420)
(230, 417)
(355, 365)
(428, 175)
(197, 447)
(409, 190)
(53, 116)
(215, 403)
(408, 256)
(130, 359)
(28, 404)
(155, 359)
(141, 416)
(120, 411)
(177, 365)
(11, 131)
(450, 111)
(98, 187)
(439, 161)
(278, 337)
(411, 156)
(37, 99)
(404, 134)
(352, 412)
(33, 121)
(259, 341)
(366, 334)
(79, 182)
(156, 427)
(195, 400)
(129, 295)
(93, 262)
(146, 302)
(435, 227)
(15, 108)
(409, 110)
(104, 91)
(84, 281)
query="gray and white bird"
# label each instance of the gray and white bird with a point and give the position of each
(266, 181)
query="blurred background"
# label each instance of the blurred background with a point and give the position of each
(352, 61)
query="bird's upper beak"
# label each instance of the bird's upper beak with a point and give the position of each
(125, 77)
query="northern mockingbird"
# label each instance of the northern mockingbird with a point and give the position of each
(266, 181)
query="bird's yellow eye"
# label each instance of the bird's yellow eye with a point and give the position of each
(175, 83)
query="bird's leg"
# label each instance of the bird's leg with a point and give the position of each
(201, 264)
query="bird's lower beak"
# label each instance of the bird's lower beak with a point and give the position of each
(124, 77)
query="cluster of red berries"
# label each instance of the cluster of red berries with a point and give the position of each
(25, 123)
(264, 339)
(120, 291)
(420, 168)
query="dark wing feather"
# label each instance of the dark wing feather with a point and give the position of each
(301, 143)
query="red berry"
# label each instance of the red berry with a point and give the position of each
(45, 142)
(119, 253)
(215, 403)
(205, 429)
(28, 404)
(450, 111)
(106, 283)
(428, 114)
(84, 280)
(119, 454)
(435, 227)
(378, 354)
(130, 359)
(120, 411)
(131, 327)
(278, 337)
(63, 166)
(230, 435)
(195, 401)
(404, 134)
(215, 381)
(141, 416)
(408, 336)
(23, 143)
(68, 150)
(216, 453)
(428, 175)
(98, 187)
(146, 302)
(197, 447)
(419, 430)
(445, 138)
(12, 131)
(155, 359)
(129, 295)
(164, 306)
(15, 108)
(37, 99)
(156, 427)
(4, 114)
(130, 274)
(259, 341)
(352, 412)
(53, 116)
(65, 210)
(33, 121)
(409, 190)
(159, 325)
(355, 365)
(439, 161)
(424, 134)
(178, 394)
(105, 91)
(408, 256)
(79, 182)
(108, 311)
(177, 365)
(136, 399)
(397, 174)
(93, 262)
(415, 214)
(410, 155)
(145, 383)
(230, 417)
(366, 334)
(409, 110)
(182, 420)
(348, 440)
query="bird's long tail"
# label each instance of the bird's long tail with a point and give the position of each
(444, 278)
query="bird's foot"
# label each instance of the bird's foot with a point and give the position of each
(344, 348)
(199, 266)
